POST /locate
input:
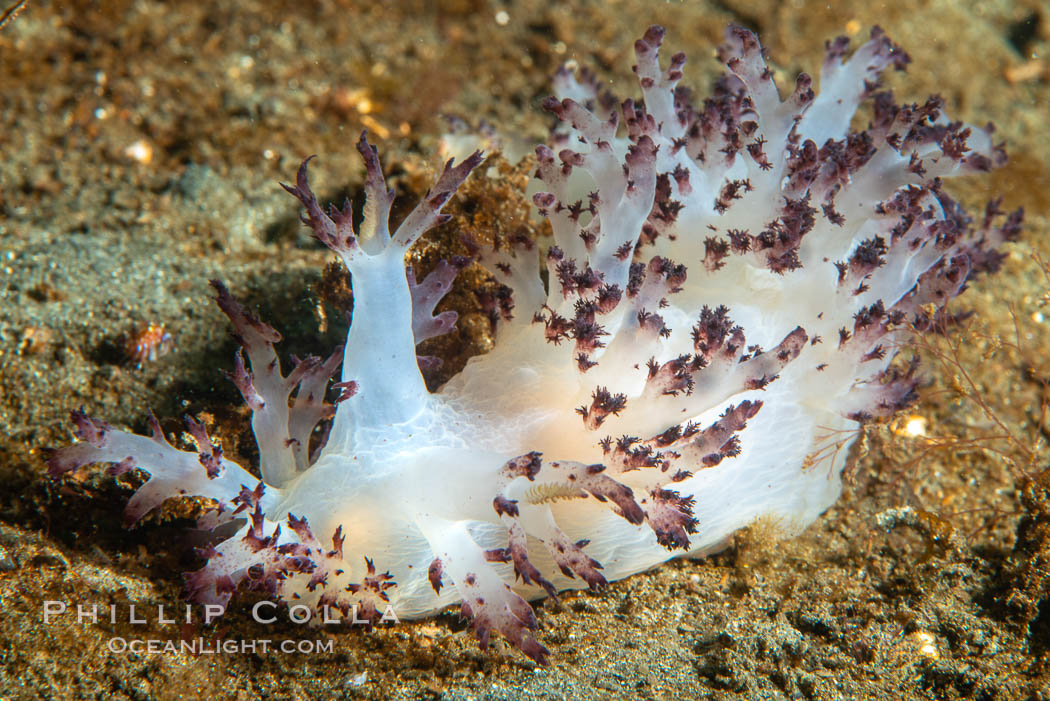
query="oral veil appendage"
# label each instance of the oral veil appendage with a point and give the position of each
(728, 285)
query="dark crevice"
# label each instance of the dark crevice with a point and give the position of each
(1039, 630)
(1022, 33)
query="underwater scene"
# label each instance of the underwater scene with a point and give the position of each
(508, 350)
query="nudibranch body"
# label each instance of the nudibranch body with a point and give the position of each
(725, 293)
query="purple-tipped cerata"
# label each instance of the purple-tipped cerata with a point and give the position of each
(726, 289)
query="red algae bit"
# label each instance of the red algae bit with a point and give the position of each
(435, 573)
(148, 343)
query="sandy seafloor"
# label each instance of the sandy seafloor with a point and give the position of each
(142, 143)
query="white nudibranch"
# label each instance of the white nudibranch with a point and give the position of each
(726, 290)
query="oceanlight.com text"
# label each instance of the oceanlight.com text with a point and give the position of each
(200, 646)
